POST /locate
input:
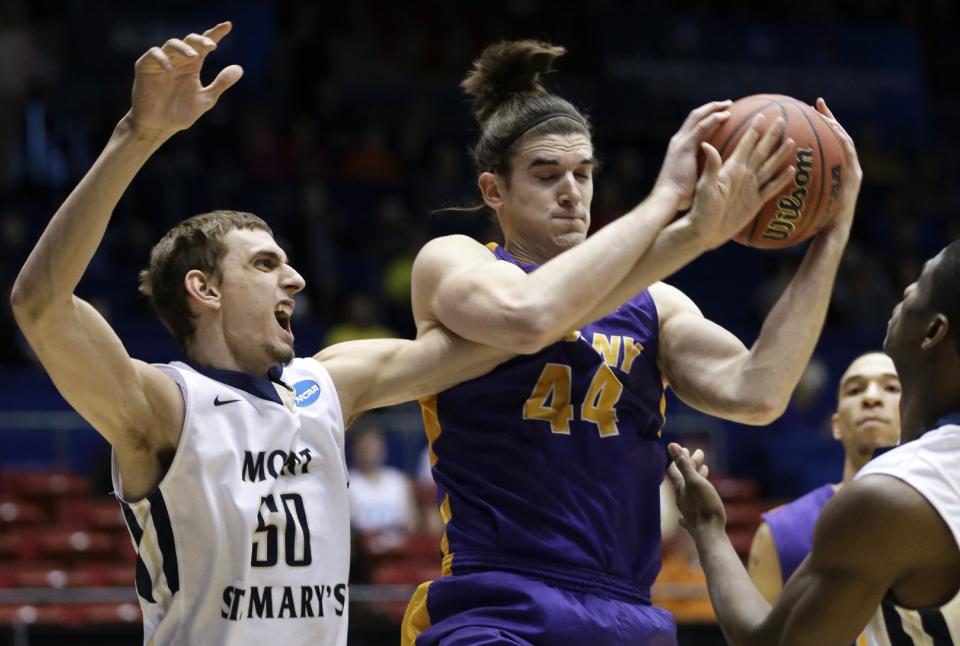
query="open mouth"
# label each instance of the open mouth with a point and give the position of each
(283, 312)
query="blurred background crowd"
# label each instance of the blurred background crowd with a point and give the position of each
(350, 136)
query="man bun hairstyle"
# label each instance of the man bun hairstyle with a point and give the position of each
(511, 104)
(195, 243)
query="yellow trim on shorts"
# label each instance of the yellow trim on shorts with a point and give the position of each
(416, 618)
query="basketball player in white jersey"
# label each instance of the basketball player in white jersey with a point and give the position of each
(230, 468)
(885, 549)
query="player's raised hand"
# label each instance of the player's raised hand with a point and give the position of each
(168, 95)
(698, 501)
(679, 170)
(852, 175)
(730, 193)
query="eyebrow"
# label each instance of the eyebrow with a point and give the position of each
(885, 375)
(546, 161)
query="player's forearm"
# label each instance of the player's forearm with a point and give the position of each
(740, 608)
(789, 334)
(54, 267)
(582, 278)
(674, 246)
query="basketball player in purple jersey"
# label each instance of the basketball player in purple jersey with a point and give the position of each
(548, 468)
(867, 418)
(885, 550)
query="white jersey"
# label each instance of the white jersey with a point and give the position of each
(246, 539)
(931, 465)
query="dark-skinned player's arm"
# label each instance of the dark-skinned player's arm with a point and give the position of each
(458, 283)
(713, 371)
(133, 405)
(864, 543)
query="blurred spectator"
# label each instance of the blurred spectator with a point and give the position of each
(360, 322)
(381, 497)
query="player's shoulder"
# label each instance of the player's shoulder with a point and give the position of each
(451, 249)
(670, 301)
(877, 517)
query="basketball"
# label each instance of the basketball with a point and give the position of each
(808, 203)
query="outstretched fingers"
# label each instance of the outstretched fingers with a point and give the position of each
(178, 51)
(225, 79)
(749, 140)
(849, 149)
(153, 59)
(217, 32)
(203, 45)
(770, 140)
(711, 165)
(697, 115)
(705, 128)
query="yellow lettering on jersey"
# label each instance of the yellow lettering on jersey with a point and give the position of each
(608, 347)
(600, 404)
(631, 350)
(550, 399)
(573, 336)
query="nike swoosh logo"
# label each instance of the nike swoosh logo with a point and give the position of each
(220, 402)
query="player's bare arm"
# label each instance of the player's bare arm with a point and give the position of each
(763, 564)
(374, 373)
(461, 284)
(858, 555)
(133, 405)
(713, 371)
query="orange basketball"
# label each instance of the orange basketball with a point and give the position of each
(809, 201)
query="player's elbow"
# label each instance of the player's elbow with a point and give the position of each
(529, 326)
(27, 308)
(762, 409)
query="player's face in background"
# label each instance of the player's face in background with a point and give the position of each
(547, 201)
(257, 287)
(912, 316)
(868, 408)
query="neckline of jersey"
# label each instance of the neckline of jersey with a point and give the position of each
(261, 387)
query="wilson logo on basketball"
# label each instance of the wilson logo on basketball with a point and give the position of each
(307, 392)
(790, 206)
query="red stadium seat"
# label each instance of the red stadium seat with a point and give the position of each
(77, 545)
(44, 485)
(39, 614)
(110, 613)
(745, 513)
(16, 513)
(95, 513)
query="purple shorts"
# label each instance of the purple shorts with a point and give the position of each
(487, 608)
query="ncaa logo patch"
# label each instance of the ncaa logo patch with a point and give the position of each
(306, 392)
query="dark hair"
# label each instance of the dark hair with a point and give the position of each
(945, 289)
(195, 243)
(511, 104)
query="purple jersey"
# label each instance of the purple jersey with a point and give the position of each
(550, 465)
(792, 527)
